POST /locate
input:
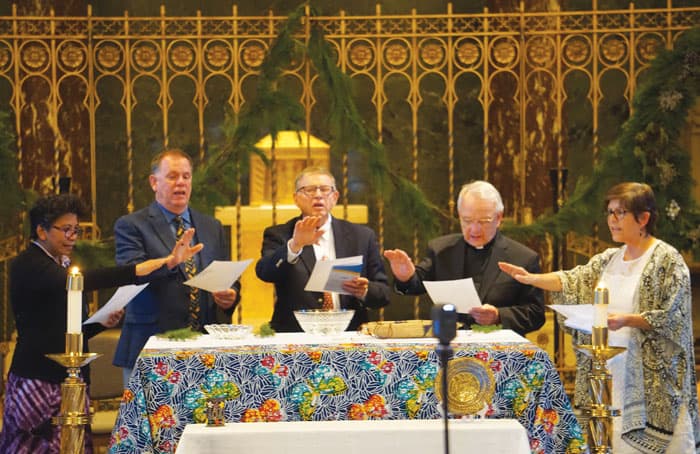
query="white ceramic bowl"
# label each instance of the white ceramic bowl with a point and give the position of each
(318, 321)
(224, 331)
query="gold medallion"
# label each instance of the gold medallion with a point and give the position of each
(470, 385)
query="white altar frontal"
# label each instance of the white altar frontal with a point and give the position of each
(485, 436)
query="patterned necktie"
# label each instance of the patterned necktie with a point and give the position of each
(327, 304)
(190, 271)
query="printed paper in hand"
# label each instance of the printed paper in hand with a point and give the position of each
(578, 316)
(460, 292)
(329, 275)
(120, 299)
(219, 275)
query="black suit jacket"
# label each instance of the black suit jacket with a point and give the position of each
(38, 298)
(163, 305)
(521, 307)
(290, 278)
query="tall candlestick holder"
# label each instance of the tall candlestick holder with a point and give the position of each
(72, 417)
(600, 410)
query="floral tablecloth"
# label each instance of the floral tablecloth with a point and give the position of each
(357, 380)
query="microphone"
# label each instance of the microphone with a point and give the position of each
(445, 329)
(444, 318)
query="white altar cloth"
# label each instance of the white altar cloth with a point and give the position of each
(485, 436)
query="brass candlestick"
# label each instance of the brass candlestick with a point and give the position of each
(600, 411)
(72, 417)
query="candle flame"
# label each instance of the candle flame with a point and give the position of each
(74, 270)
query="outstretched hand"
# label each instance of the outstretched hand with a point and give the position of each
(182, 249)
(518, 273)
(181, 252)
(401, 264)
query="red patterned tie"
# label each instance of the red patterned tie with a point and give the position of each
(327, 304)
(190, 271)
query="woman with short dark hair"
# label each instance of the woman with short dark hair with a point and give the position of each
(38, 298)
(649, 314)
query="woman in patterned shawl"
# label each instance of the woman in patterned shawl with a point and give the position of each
(38, 298)
(649, 314)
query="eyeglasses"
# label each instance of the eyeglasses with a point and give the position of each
(69, 230)
(470, 222)
(617, 213)
(311, 190)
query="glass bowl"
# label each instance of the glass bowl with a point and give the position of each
(224, 331)
(319, 321)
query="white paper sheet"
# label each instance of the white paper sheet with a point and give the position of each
(219, 275)
(329, 275)
(460, 292)
(578, 316)
(120, 299)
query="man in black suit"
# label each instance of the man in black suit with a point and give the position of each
(290, 251)
(167, 303)
(475, 253)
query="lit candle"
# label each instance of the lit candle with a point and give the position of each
(600, 306)
(74, 286)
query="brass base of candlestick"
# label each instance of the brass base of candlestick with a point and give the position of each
(600, 411)
(72, 417)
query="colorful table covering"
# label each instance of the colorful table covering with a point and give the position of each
(352, 378)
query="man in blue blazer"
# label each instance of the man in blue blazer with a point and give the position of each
(151, 232)
(475, 253)
(290, 251)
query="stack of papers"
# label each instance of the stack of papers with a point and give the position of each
(329, 275)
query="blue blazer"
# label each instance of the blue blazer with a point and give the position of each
(163, 305)
(290, 279)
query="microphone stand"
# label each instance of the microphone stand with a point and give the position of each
(444, 318)
(444, 351)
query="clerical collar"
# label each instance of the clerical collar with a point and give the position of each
(486, 247)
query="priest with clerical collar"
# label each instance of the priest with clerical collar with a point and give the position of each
(475, 254)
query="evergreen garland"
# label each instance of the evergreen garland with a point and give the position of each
(646, 151)
(273, 110)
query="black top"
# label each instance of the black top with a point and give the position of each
(38, 298)
(476, 261)
(290, 278)
(521, 307)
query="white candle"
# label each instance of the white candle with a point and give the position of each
(600, 307)
(74, 286)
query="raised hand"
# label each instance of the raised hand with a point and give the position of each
(182, 249)
(401, 264)
(181, 252)
(306, 232)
